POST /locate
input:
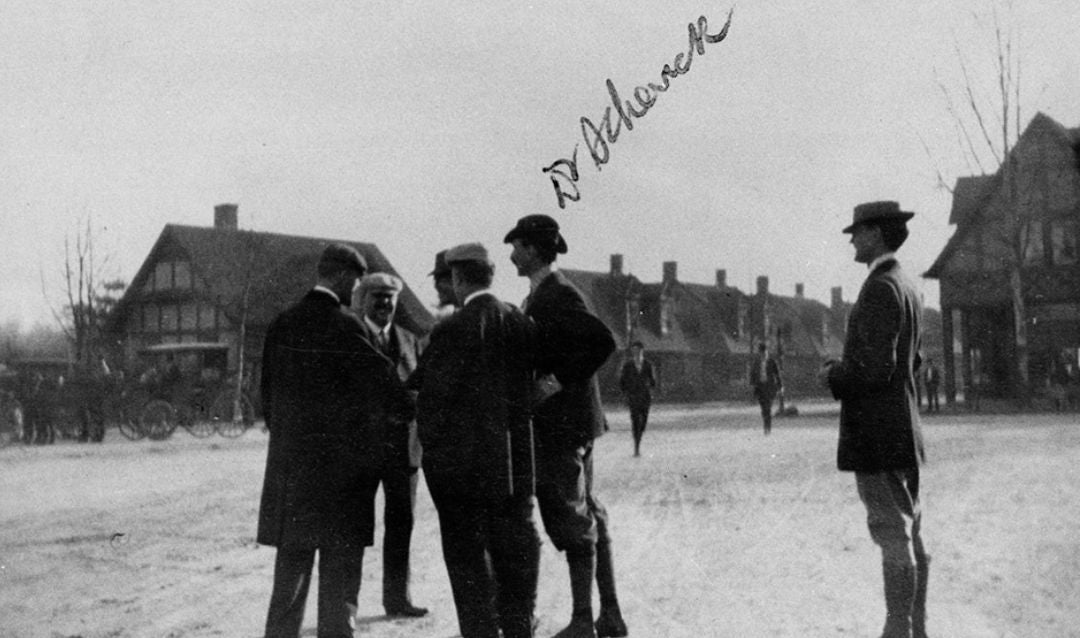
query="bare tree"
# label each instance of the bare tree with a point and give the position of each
(987, 130)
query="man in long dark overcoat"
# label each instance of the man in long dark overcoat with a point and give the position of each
(326, 392)
(475, 383)
(637, 379)
(880, 435)
(574, 344)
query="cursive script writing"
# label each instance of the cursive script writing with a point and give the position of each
(564, 172)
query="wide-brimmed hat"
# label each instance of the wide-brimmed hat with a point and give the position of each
(468, 252)
(538, 228)
(877, 211)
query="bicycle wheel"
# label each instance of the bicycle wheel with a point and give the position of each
(228, 423)
(130, 428)
(158, 420)
(198, 423)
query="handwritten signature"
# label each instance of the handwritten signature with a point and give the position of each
(564, 173)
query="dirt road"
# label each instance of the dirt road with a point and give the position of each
(718, 531)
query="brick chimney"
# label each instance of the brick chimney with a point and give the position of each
(616, 265)
(837, 297)
(762, 285)
(799, 291)
(721, 278)
(671, 270)
(225, 217)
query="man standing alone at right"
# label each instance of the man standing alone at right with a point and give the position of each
(574, 343)
(880, 436)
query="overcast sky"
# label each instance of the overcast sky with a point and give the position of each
(419, 125)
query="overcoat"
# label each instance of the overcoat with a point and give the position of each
(573, 345)
(326, 392)
(875, 380)
(637, 384)
(475, 383)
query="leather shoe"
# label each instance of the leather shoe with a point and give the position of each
(579, 627)
(406, 610)
(609, 624)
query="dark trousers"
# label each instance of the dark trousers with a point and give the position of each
(765, 401)
(492, 554)
(339, 579)
(572, 515)
(399, 493)
(932, 404)
(639, 418)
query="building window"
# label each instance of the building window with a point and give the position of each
(206, 317)
(169, 318)
(1063, 242)
(163, 276)
(189, 315)
(1031, 237)
(182, 274)
(151, 318)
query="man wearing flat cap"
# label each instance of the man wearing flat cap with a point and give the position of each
(321, 384)
(475, 382)
(574, 343)
(376, 302)
(880, 437)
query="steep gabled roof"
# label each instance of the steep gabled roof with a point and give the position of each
(281, 268)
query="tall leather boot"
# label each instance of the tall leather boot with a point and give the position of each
(899, 599)
(609, 624)
(582, 565)
(918, 608)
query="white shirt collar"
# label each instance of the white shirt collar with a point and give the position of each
(540, 275)
(376, 328)
(329, 292)
(476, 294)
(881, 258)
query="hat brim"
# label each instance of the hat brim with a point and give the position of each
(902, 216)
(519, 233)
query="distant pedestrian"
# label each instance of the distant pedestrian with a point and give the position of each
(933, 381)
(880, 436)
(475, 384)
(766, 382)
(323, 385)
(637, 381)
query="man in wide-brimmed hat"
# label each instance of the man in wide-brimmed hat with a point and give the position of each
(880, 438)
(574, 343)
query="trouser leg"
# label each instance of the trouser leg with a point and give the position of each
(515, 558)
(582, 563)
(399, 490)
(339, 585)
(292, 578)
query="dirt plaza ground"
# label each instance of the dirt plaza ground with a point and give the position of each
(718, 531)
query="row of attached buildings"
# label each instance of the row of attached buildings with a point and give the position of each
(203, 284)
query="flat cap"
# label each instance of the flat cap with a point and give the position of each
(381, 281)
(337, 257)
(877, 211)
(441, 268)
(538, 228)
(468, 252)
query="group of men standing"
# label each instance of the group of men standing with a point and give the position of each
(505, 406)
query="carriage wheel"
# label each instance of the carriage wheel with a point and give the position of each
(158, 420)
(198, 423)
(222, 414)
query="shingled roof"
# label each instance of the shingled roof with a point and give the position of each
(282, 268)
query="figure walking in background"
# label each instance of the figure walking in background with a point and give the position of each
(766, 383)
(933, 381)
(637, 381)
(880, 436)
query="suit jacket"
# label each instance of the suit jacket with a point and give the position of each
(637, 385)
(765, 383)
(573, 344)
(475, 383)
(404, 352)
(875, 381)
(326, 392)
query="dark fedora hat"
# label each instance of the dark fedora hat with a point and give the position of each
(538, 228)
(441, 267)
(472, 251)
(338, 257)
(876, 212)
